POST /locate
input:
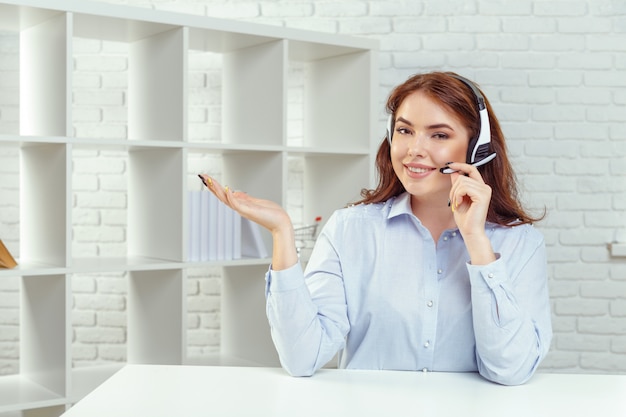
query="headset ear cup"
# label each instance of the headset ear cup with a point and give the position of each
(390, 127)
(470, 150)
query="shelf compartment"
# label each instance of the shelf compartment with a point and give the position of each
(44, 331)
(245, 286)
(100, 203)
(339, 178)
(251, 86)
(242, 170)
(157, 317)
(10, 199)
(157, 91)
(148, 98)
(254, 93)
(44, 202)
(204, 97)
(337, 88)
(155, 101)
(17, 392)
(99, 320)
(263, 172)
(156, 203)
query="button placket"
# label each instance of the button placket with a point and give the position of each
(431, 279)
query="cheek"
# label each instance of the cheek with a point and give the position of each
(450, 154)
(397, 155)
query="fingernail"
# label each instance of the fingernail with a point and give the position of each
(448, 202)
(202, 179)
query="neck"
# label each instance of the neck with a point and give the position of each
(434, 214)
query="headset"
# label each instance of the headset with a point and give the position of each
(478, 152)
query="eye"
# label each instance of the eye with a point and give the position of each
(440, 136)
(403, 131)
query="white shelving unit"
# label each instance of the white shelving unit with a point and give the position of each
(339, 133)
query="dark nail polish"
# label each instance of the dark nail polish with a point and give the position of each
(203, 181)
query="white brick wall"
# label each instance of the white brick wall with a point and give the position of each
(553, 70)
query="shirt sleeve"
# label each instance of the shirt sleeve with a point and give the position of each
(308, 315)
(511, 313)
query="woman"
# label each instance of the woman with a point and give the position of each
(437, 269)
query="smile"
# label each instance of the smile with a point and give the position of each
(419, 170)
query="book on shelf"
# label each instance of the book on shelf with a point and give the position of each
(217, 232)
(6, 259)
(195, 224)
(252, 244)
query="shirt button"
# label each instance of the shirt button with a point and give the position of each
(425, 370)
(440, 271)
(453, 234)
(490, 275)
(445, 238)
(429, 304)
(426, 344)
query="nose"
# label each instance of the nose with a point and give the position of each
(417, 145)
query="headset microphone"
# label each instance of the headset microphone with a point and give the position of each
(478, 152)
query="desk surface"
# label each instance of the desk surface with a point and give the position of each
(156, 390)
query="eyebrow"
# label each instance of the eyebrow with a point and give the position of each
(430, 127)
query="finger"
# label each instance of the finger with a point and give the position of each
(216, 188)
(462, 191)
(206, 180)
(457, 190)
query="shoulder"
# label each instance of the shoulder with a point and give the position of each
(522, 234)
(351, 220)
(362, 211)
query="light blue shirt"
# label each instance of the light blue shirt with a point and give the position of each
(380, 291)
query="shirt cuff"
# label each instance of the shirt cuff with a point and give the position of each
(284, 280)
(492, 274)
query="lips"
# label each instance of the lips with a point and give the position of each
(419, 170)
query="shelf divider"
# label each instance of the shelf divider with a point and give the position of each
(45, 71)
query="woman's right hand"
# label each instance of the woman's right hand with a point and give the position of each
(267, 214)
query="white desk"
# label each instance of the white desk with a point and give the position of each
(187, 391)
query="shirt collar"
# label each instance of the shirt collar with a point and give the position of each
(400, 204)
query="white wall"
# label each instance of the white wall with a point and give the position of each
(555, 72)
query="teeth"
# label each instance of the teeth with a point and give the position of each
(418, 170)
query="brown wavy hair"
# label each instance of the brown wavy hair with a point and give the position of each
(451, 93)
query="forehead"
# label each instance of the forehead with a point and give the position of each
(418, 107)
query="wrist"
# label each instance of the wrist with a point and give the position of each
(284, 254)
(480, 249)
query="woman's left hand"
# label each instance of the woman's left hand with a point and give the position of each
(469, 200)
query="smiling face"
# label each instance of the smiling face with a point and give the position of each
(426, 136)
